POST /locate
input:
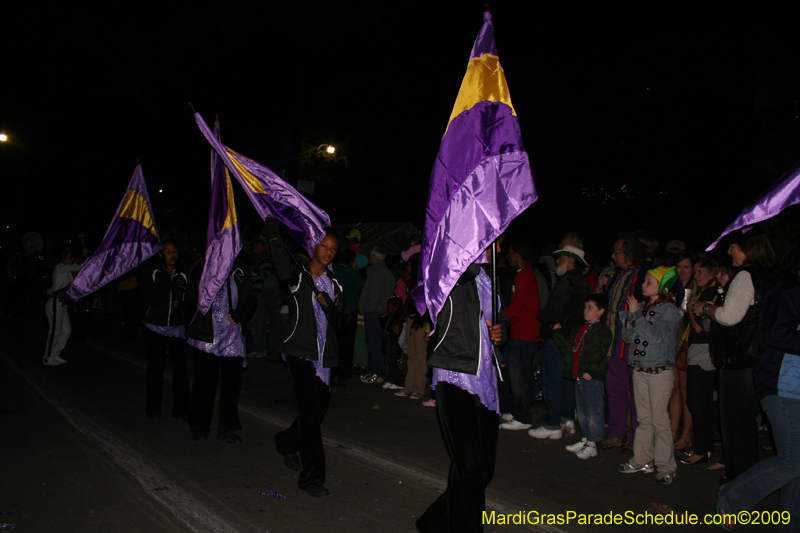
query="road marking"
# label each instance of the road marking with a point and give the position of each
(187, 509)
(383, 465)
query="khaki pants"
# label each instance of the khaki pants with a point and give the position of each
(417, 360)
(654, 434)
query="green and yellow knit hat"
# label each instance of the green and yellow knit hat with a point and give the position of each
(665, 276)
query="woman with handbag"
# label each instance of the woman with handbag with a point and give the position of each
(734, 341)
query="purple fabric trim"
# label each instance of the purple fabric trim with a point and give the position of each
(223, 245)
(228, 338)
(484, 383)
(167, 331)
(304, 220)
(126, 244)
(783, 193)
(485, 44)
(324, 284)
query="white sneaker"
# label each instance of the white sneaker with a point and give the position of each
(58, 359)
(568, 428)
(543, 433)
(514, 425)
(588, 451)
(401, 394)
(50, 362)
(575, 448)
(391, 386)
(507, 417)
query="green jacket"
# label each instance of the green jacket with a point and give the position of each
(595, 347)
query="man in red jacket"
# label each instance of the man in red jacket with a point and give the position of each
(524, 342)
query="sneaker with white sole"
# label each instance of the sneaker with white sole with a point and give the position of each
(588, 451)
(391, 386)
(568, 428)
(372, 378)
(400, 394)
(507, 417)
(543, 433)
(665, 478)
(415, 396)
(429, 403)
(578, 446)
(514, 425)
(633, 468)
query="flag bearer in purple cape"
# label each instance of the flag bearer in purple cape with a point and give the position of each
(480, 182)
(225, 301)
(465, 373)
(56, 310)
(311, 352)
(163, 290)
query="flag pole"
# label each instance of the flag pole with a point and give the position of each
(303, 271)
(494, 283)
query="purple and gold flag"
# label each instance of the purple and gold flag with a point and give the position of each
(223, 237)
(131, 239)
(271, 195)
(783, 193)
(481, 179)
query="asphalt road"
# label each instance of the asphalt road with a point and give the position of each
(79, 455)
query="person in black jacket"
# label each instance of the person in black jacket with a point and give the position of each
(465, 368)
(218, 348)
(310, 351)
(163, 291)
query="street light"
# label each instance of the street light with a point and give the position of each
(3, 137)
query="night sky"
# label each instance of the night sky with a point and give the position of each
(692, 109)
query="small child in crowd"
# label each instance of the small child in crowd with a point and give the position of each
(651, 328)
(395, 379)
(585, 362)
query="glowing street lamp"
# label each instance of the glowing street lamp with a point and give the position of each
(3, 137)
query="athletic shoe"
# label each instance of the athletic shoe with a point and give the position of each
(575, 448)
(632, 468)
(429, 403)
(568, 428)
(391, 386)
(58, 359)
(507, 417)
(543, 433)
(50, 362)
(587, 452)
(401, 394)
(415, 396)
(514, 425)
(665, 478)
(371, 378)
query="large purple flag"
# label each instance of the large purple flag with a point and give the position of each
(783, 193)
(481, 179)
(131, 239)
(224, 241)
(271, 195)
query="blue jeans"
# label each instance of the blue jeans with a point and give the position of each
(374, 334)
(558, 393)
(520, 371)
(591, 409)
(781, 472)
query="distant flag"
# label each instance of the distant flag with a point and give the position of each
(481, 179)
(131, 239)
(783, 193)
(223, 238)
(271, 195)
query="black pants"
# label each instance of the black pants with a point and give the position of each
(210, 369)
(700, 401)
(470, 434)
(157, 348)
(738, 410)
(304, 436)
(347, 344)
